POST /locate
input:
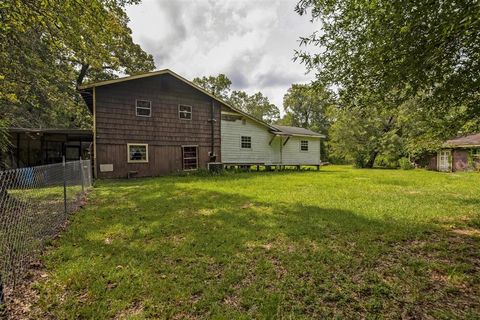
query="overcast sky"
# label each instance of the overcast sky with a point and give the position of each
(251, 41)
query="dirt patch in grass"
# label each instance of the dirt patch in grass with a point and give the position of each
(20, 300)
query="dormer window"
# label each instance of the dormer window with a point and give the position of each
(185, 112)
(143, 108)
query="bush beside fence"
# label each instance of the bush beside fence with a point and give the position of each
(35, 203)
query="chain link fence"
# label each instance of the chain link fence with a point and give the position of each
(35, 203)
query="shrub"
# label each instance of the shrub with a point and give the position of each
(405, 164)
(359, 161)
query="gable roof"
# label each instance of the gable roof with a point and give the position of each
(177, 76)
(285, 130)
(465, 141)
(298, 131)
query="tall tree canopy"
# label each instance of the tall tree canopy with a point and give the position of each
(219, 86)
(307, 105)
(256, 104)
(407, 72)
(430, 48)
(47, 48)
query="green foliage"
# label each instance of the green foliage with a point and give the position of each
(415, 61)
(307, 106)
(219, 86)
(334, 244)
(47, 48)
(416, 48)
(256, 104)
(405, 164)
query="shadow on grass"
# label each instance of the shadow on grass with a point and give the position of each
(161, 250)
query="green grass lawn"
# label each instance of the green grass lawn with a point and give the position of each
(339, 243)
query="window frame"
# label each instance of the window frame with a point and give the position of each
(149, 108)
(196, 157)
(301, 145)
(187, 112)
(137, 144)
(249, 142)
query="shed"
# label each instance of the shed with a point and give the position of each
(459, 154)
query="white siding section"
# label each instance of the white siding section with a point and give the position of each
(292, 155)
(261, 151)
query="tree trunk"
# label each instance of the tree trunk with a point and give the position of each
(82, 74)
(371, 159)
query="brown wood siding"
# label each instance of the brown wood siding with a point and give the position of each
(459, 160)
(117, 125)
(432, 163)
(162, 160)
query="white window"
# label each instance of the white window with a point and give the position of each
(476, 153)
(185, 112)
(304, 145)
(246, 142)
(143, 108)
(137, 152)
(190, 157)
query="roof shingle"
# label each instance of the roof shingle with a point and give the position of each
(471, 140)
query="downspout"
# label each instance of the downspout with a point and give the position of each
(212, 125)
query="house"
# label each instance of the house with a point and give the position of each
(159, 122)
(459, 154)
(33, 147)
(248, 141)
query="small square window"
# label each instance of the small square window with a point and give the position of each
(246, 142)
(137, 152)
(304, 145)
(185, 112)
(476, 153)
(143, 108)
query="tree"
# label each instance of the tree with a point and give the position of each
(360, 135)
(219, 86)
(427, 49)
(48, 48)
(306, 105)
(256, 105)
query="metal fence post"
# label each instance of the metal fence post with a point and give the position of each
(82, 176)
(2, 298)
(64, 185)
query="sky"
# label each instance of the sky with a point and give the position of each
(252, 42)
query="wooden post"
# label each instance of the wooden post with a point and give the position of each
(95, 173)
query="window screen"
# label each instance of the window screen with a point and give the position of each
(143, 108)
(190, 158)
(246, 142)
(185, 112)
(137, 153)
(304, 145)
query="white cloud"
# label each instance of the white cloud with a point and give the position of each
(252, 42)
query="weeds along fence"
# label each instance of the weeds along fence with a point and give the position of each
(35, 203)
